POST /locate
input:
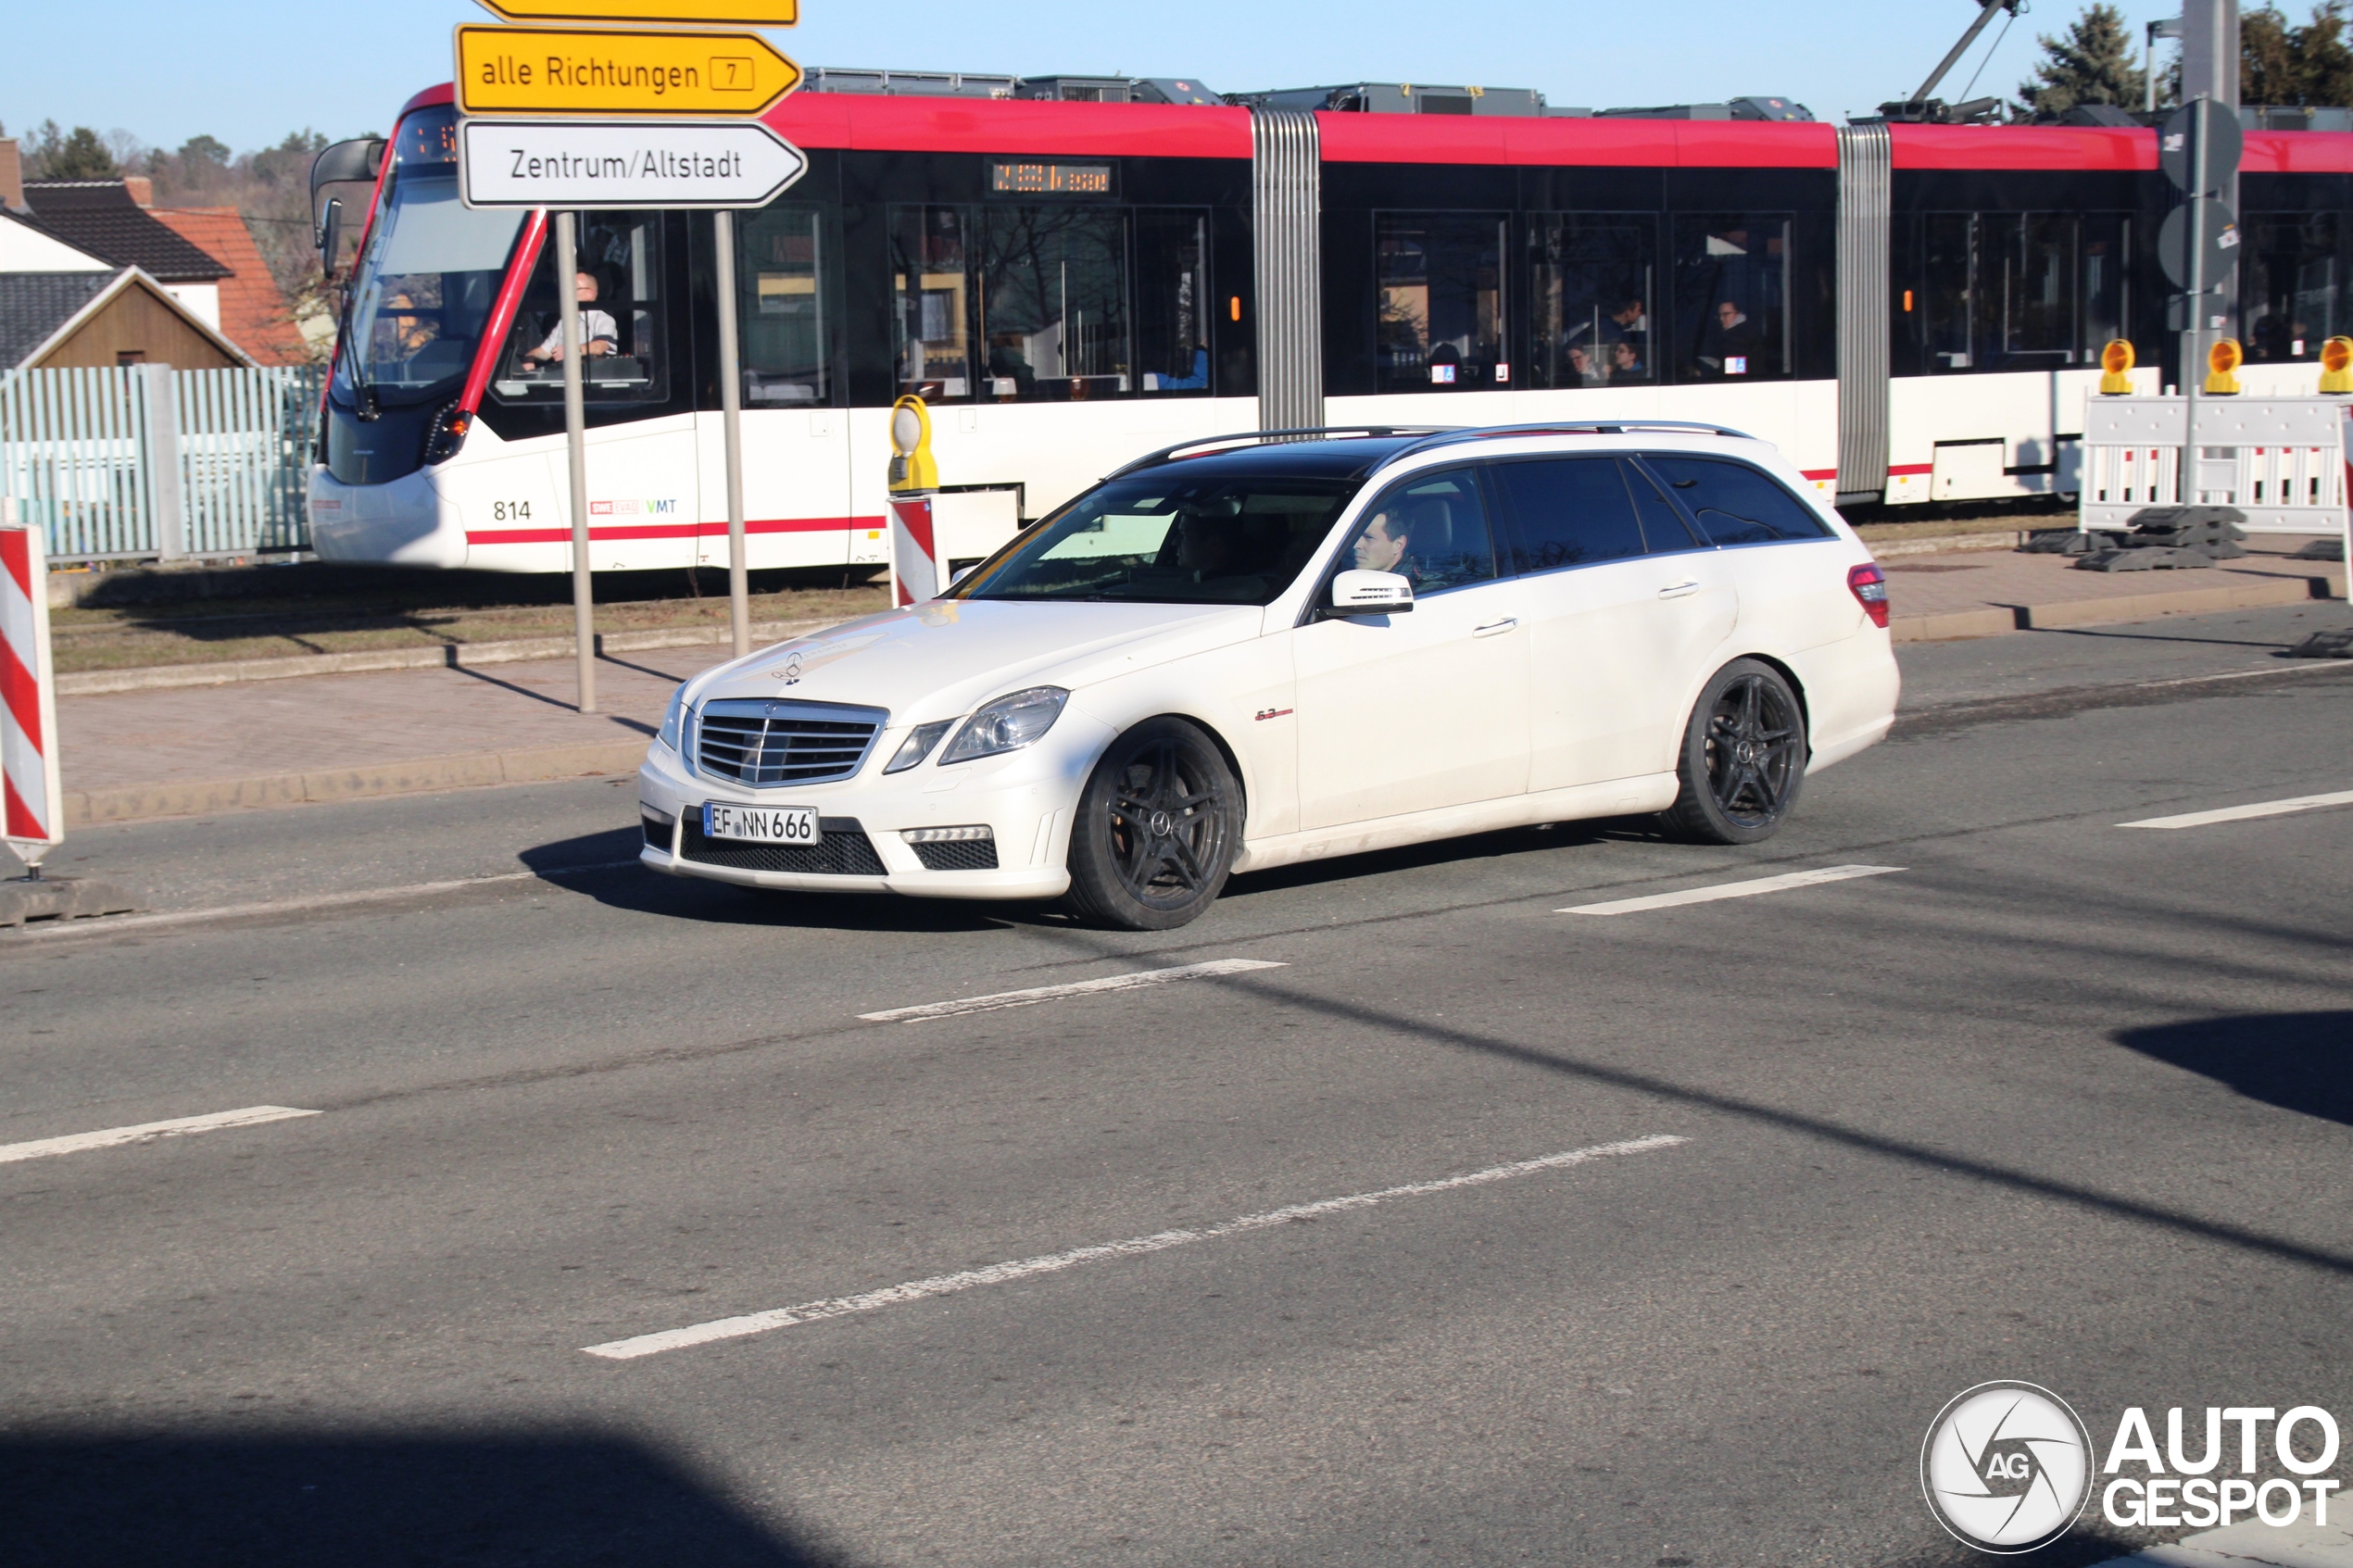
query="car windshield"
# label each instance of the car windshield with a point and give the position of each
(1167, 537)
(427, 282)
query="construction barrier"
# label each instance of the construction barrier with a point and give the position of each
(2280, 462)
(33, 819)
(915, 555)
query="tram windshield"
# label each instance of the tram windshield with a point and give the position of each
(423, 290)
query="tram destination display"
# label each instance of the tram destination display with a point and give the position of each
(1011, 179)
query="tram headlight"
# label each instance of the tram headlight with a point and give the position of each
(447, 433)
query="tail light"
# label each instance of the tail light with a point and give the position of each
(448, 434)
(1868, 584)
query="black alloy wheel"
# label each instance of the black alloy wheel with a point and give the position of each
(1744, 757)
(1157, 829)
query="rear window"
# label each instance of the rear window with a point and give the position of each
(1733, 503)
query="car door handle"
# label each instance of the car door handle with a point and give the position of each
(1679, 589)
(1495, 627)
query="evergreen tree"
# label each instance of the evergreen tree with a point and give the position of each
(78, 155)
(2281, 64)
(2093, 64)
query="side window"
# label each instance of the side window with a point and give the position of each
(1568, 511)
(1731, 295)
(1053, 303)
(1432, 529)
(1733, 503)
(1440, 276)
(619, 285)
(1172, 301)
(1664, 529)
(1594, 280)
(786, 305)
(932, 334)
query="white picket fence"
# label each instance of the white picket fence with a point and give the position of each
(145, 461)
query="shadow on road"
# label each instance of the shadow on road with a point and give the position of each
(1447, 851)
(2297, 1060)
(295, 1501)
(719, 903)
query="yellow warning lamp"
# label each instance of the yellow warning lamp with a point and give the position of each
(2115, 360)
(911, 463)
(2337, 365)
(2225, 357)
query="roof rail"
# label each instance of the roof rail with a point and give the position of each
(1168, 454)
(1563, 427)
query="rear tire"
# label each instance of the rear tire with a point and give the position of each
(1158, 827)
(1743, 758)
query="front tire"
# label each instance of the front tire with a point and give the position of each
(1158, 827)
(1743, 758)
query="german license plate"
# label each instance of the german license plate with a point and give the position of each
(761, 825)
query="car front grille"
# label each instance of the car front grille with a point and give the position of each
(768, 744)
(843, 850)
(957, 855)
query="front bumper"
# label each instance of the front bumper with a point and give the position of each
(1026, 798)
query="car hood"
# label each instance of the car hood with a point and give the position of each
(942, 658)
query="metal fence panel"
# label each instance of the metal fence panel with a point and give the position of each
(80, 450)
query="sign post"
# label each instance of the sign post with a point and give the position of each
(2198, 149)
(647, 135)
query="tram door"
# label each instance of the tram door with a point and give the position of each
(796, 440)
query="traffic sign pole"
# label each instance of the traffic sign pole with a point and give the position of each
(583, 618)
(731, 405)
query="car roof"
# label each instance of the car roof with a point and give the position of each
(1346, 457)
(1356, 453)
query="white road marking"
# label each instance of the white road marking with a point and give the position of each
(298, 906)
(1053, 1263)
(1037, 993)
(1728, 890)
(148, 1132)
(2241, 813)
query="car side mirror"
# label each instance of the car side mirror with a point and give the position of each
(1371, 593)
(330, 234)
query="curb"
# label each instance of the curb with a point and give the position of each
(455, 656)
(1953, 625)
(464, 770)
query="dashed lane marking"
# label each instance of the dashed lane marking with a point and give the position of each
(1728, 890)
(148, 1132)
(2242, 813)
(1055, 1262)
(1037, 993)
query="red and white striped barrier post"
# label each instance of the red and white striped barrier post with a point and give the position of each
(914, 558)
(915, 478)
(34, 797)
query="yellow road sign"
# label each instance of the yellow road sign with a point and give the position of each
(705, 13)
(581, 70)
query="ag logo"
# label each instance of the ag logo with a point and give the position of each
(2007, 1467)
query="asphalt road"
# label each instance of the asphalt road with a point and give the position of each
(2055, 1100)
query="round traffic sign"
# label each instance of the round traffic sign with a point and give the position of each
(2221, 243)
(2224, 141)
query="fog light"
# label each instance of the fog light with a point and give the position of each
(977, 834)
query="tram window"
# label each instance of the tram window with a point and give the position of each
(2290, 276)
(1593, 281)
(1949, 292)
(1441, 277)
(2104, 248)
(930, 323)
(785, 280)
(1053, 290)
(1731, 296)
(1172, 301)
(619, 284)
(2026, 275)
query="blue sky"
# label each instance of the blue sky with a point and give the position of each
(250, 70)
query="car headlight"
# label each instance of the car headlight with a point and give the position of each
(917, 746)
(673, 721)
(1007, 724)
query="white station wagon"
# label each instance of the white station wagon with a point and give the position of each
(1249, 651)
